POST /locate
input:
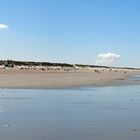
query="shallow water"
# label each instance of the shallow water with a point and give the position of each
(103, 113)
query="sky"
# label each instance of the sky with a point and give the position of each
(96, 32)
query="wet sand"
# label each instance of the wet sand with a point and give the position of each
(103, 113)
(17, 78)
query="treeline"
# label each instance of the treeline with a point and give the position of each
(12, 63)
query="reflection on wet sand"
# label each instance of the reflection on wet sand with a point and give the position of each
(109, 113)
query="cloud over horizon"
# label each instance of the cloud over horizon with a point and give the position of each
(3, 26)
(107, 58)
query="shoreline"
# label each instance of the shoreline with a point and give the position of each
(30, 79)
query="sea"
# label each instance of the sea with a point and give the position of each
(84, 113)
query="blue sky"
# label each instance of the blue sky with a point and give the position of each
(71, 31)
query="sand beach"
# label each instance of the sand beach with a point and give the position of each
(58, 78)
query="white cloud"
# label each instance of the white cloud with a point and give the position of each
(105, 58)
(3, 26)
